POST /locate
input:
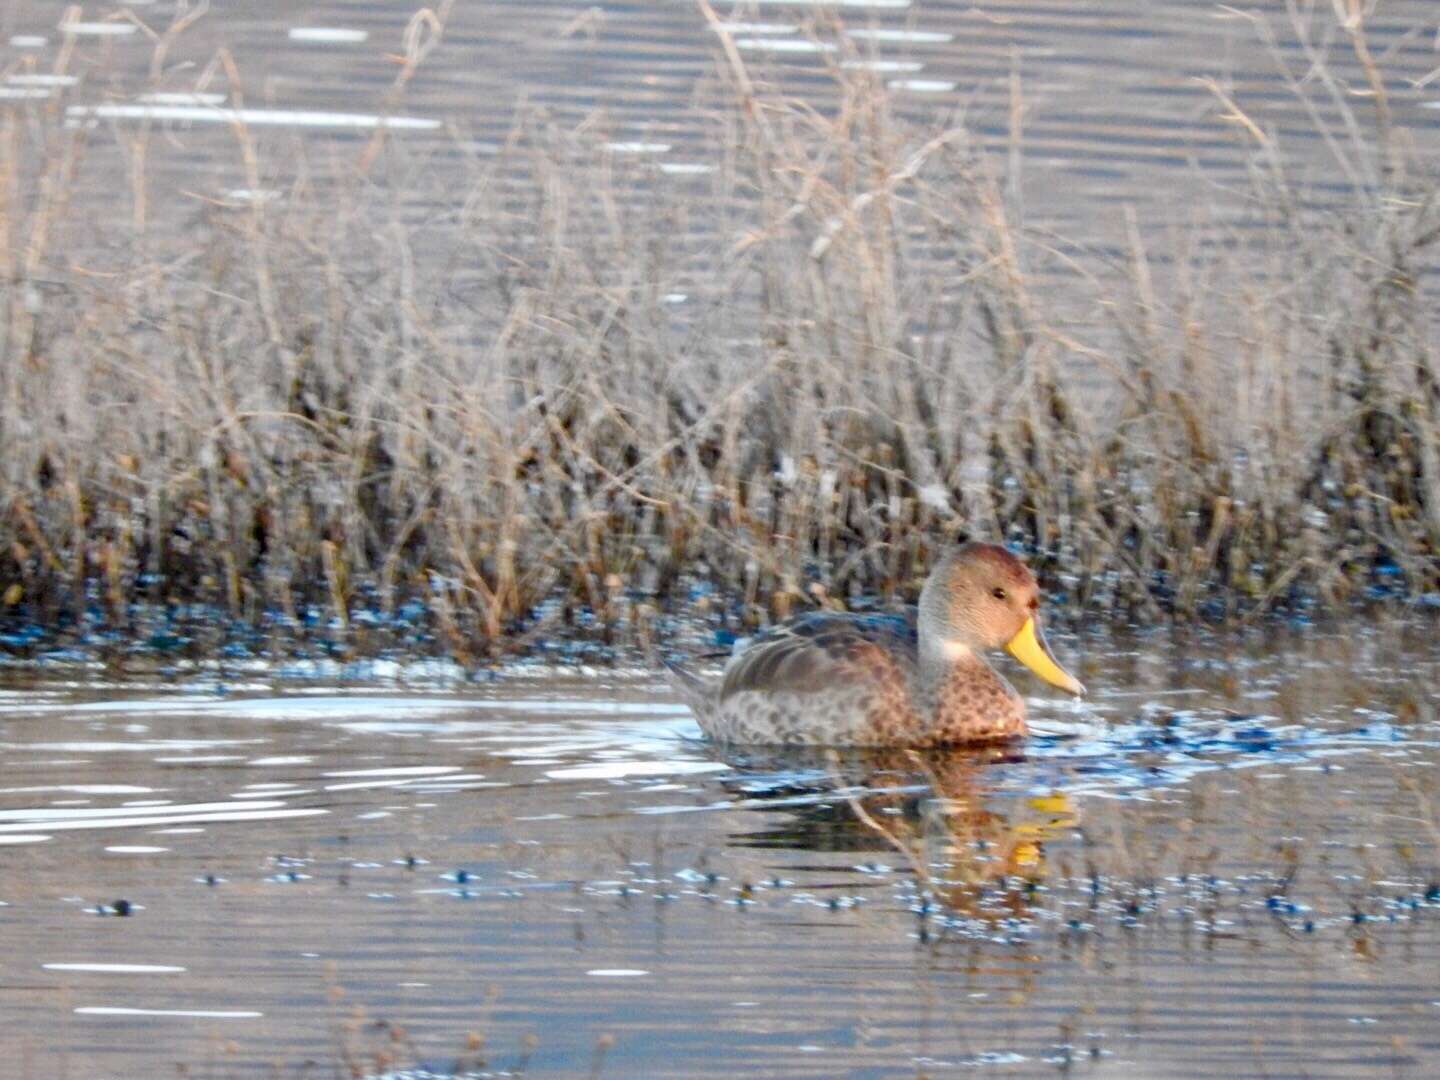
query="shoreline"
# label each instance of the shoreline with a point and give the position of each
(412, 654)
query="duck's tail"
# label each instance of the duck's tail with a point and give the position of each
(697, 692)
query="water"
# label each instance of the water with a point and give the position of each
(1117, 109)
(1224, 863)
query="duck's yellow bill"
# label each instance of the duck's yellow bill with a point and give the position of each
(1028, 646)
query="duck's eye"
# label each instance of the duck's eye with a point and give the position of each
(998, 593)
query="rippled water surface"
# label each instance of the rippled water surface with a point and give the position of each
(1120, 102)
(1224, 863)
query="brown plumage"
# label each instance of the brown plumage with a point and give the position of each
(889, 680)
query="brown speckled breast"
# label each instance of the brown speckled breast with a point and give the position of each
(978, 710)
(974, 704)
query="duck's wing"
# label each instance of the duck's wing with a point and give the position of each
(818, 651)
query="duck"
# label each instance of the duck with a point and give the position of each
(915, 679)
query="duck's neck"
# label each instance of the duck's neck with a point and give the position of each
(940, 659)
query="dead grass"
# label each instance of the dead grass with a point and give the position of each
(453, 386)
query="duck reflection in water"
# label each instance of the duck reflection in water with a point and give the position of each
(976, 852)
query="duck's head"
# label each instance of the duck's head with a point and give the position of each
(980, 596)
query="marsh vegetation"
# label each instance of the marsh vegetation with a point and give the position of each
(452, 400)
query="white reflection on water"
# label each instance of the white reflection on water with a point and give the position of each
(196, 759)
(335, 706)
(277, 708)
(407, 781)
(255, 117)
(55, 820)
(331, 34)
(252, 195)
(922, 86)
(139, 747)
(610, 770)
(202, 1014)
(765, 44)
(401, 770)
(753, 28)
(41, 79)
(884, 67)
(181, 97)
(80, 789)
(98, 29)
(889, 5)
(52, 814)
(913, 37)
(118, 969)
(637, 147)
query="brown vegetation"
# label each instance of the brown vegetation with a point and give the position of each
(456, 383)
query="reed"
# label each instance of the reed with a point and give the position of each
(449, 402)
